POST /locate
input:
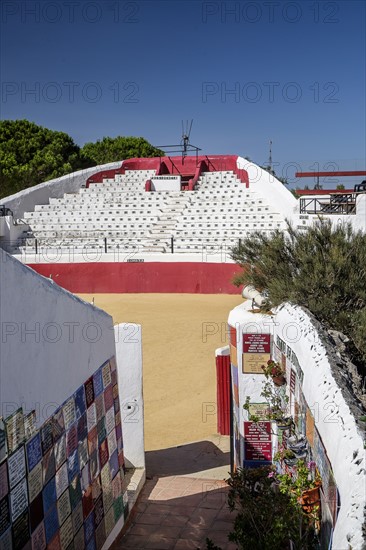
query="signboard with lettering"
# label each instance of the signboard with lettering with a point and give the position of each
(256, 352)
(257, 441)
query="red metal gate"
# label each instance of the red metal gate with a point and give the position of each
(223, 381)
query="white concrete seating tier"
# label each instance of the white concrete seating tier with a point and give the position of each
(220, 211)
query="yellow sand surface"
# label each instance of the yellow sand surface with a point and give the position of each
(180, 333)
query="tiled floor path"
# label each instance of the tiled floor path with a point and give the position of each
(178, 512)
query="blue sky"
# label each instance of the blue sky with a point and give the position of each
(246, 72)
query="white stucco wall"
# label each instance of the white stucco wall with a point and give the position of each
(333, 419)
(129, 365)
(24, 201)
(51, 341)
(165, 183)
(271, 188)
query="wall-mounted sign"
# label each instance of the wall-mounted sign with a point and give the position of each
(256, 352)
(257, 441)
(258, 409)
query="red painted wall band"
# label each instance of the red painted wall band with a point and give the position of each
(147, 277)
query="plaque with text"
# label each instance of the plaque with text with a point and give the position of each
(292, 381)
(14, 426)
(98, 383)
(108, 398)
(100, 535)
(21, 531)
(83, 453)
(3, 444)
(103, 453)
(51, 523)
(69, 413)
(39, 538)
(87, 502)
(92, 440)
(34, 451)
(4, 485)
(16, 467)
(89, 392)
(80, 403)
(58, 424)
(36, 512)
(99, 405)
(61, 480)
(109, 420)
(30, 424)
(6, 540)
(89, 527)
(59, 450)
(66, 533)
(77, 518)
(114, 464)
(256, 352)
(73, 465)
(101, 429)
(94, 465)
(49, 495)
(112, 442)
(109, 521)
(79, 541)
(91, 414)
(47, 436)
(98, 511)
(96, 488)
(49, 466)
(106, 375)
(63, 507)
(85, 478)
(75, 492)
(35, 482)
(71, 440)
(107, 498)
(257, 441)
(4, 515)
(82, 428)
(19, 500)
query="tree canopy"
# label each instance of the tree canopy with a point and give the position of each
(31, 154)
(322, 269)
(113, 149)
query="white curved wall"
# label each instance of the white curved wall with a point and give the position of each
(51, 341)
(270, 187)
(334, 421)
(25, 200)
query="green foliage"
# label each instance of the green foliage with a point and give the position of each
(114, 149)
(322, 269)
(267, 518)
(30, 154)
(340, 187)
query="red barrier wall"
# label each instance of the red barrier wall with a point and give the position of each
(223, 394)
(146, 277)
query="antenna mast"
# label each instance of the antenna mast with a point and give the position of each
(270, 156)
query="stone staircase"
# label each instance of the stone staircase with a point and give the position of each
(162, 230)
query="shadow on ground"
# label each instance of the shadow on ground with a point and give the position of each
(203, 459)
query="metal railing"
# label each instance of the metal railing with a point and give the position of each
(340, 203)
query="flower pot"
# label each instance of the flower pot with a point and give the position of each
(279, 380)
(310, 499)
(284, 423)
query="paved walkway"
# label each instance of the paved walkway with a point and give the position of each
(179, 510)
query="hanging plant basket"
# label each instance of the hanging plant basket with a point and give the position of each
(284, 423)
(279, 380)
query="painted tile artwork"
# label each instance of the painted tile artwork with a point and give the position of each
(61, 485)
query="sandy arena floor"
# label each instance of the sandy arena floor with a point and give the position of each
(180, 334)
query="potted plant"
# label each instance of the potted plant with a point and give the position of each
(275, 371)
(277, 408)
(304, 484)
(286, 456)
